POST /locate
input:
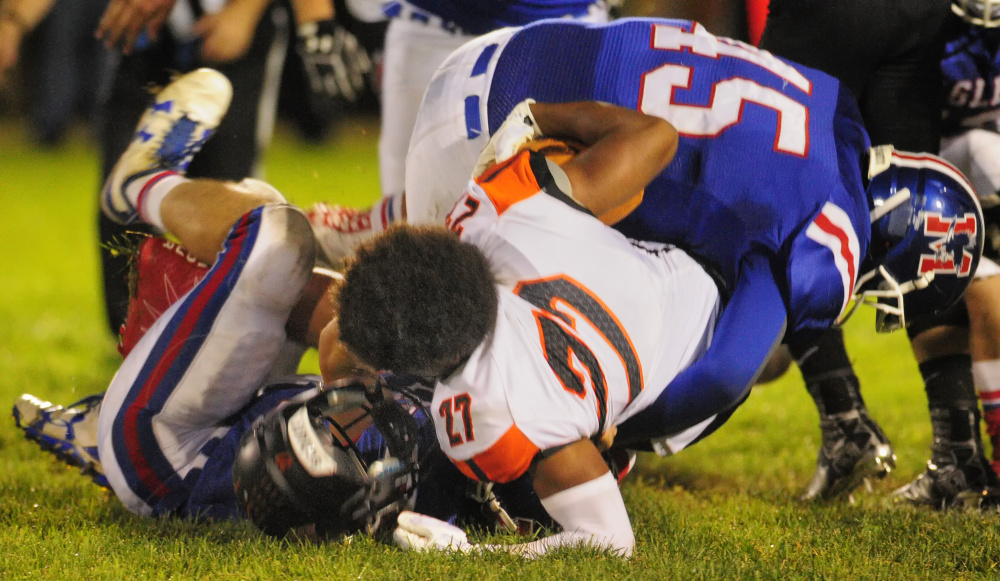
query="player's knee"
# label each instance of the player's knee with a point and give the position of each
(283, 256)
(267, 193)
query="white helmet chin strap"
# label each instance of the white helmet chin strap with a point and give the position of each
(887, 299)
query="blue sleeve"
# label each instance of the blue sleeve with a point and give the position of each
(750, 329)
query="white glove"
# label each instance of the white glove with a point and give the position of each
(419, 532)
(518, 129)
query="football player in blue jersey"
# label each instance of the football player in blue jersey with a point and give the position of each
(971, 70)
(749, 122)
(888, 53)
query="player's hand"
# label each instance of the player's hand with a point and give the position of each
(124, 20)
(419, 532)
(334, 61)
(518, 129)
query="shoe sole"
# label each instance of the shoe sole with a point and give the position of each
(203, 114)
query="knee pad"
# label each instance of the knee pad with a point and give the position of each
(283, 255)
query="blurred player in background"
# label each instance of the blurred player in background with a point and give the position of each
(971, 68)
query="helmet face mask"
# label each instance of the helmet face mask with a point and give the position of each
(303, 465)
(927, 237)
(985, 13)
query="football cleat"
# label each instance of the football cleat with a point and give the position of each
(170, 132)
(162, 272)
(854, 450)
(338, 229)
(957, 476)
(70, 433)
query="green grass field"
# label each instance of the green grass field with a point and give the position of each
(725, 509)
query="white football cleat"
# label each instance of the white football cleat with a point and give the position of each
(70, 433)
(174, 128)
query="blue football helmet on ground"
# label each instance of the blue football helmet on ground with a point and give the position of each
(927, 237)
(985, 13)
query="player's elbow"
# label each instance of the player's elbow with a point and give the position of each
(665, 140)
(726, 385)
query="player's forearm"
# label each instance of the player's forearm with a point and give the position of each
(625, 150)
(591, 514)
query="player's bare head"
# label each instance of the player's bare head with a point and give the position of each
(416, 300)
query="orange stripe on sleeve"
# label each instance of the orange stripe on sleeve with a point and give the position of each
(509, 182)
(504, 461)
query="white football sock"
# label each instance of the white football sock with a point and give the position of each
(146, 194)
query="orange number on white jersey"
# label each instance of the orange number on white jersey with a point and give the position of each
(561, 302)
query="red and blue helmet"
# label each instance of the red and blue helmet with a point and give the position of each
(927, 237)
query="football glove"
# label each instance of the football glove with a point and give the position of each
(518, 129)
(422, 533)
(334, 61)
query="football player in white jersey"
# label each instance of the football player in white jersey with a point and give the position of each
(544, 328)
(593, 330)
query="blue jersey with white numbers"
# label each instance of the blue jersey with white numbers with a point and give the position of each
(765, 188)
(481, 16)
(769, 158)
(972, 84)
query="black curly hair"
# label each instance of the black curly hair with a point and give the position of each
(416, 299)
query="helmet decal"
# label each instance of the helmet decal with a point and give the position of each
(832, 228)
(947, 244)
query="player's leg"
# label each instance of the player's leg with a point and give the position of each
(853, 446)
(958, 472)
(413, 52)
(880, 55)
(203, 361)
(983, 301)
(451, 130)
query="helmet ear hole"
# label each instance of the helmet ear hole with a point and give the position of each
(261, 490)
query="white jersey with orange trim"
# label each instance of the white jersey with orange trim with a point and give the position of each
(591, 326)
